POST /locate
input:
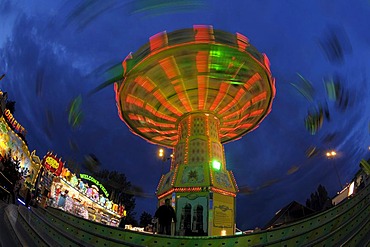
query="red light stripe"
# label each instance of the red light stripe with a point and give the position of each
(118, 102)
(242, 41)
(266, 61)
(160, 182)
(133, 116)
(235, 122)
(188, 189)
(158, 124)
(259, 97)
(134, 100)
(124, 63)
(234, 181)
(245, 126)
(254, 100)
(169, 132)
(228, 129)
(223, 192)
(151, 109)
(251, 81)
(179, 88)
(167, 138)
(202, 81)
(145, 83)
(174, 175)
(203, 33)
(145, 129)
(234, 101)
(201, 60)
(247, 105)
(256, 113)
(158, 138)
(166, 194)
(169, 67)
(158, 40)
(251, 114)
(159, 96)
(224, 87)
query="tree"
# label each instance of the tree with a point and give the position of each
(145, 219)
(11, 106)
(10, 168)
(121, 191)
(319, 200)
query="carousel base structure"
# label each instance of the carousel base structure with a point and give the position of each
(347, 224)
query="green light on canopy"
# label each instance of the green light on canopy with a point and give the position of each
(215, 53)
(216, 66)
(216, 165)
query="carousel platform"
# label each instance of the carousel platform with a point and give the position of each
(347, 224)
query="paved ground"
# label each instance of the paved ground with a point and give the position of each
(7, 236)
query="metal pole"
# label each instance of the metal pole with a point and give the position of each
(336, 171)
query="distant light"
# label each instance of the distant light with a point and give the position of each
(331, 154)
(223, 232)
(351, 188)
(216, 165)
(161, 152)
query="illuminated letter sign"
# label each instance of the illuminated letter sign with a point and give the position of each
(90, 178)
(51, 163)
(11, 120)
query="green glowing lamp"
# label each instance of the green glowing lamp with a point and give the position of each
(216, 165)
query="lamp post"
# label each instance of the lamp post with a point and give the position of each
(162, 156)
(331, 156)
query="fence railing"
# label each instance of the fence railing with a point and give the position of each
(6, 186)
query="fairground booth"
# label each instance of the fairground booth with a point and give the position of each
(12, 142)
(78, 194)
(47, 180)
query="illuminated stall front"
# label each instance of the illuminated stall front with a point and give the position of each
(83, 199)
(12, 141)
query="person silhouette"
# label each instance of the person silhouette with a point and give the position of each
(165, 214)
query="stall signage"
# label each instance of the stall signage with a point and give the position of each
(11, 120)
(90, 178)
(52, 163)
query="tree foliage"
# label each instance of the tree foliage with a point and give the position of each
(319, 200)
(145, 219)
(121, 191)
(12, 173)
(11, 167)
(11, 106)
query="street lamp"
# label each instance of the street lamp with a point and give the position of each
(163, 157)
(161, 153)
(331, 156)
